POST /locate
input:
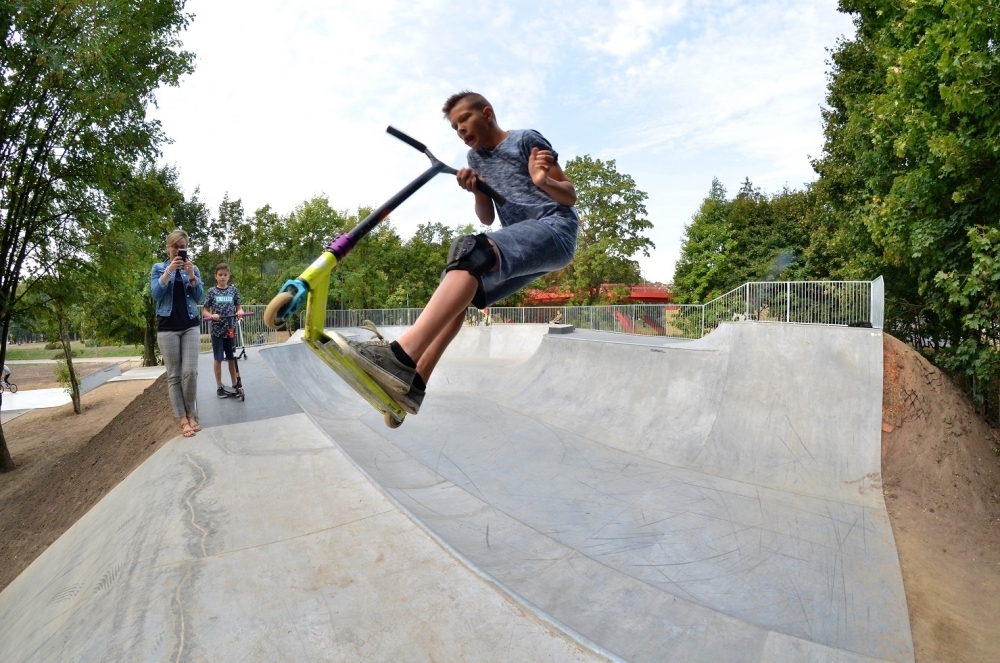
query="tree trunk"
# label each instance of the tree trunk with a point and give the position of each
(149, 341)
(6, 462)
(74, 384)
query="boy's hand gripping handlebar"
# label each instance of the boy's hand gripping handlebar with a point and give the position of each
(420, 147)
(294, 293)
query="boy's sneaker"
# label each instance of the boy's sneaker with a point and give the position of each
(377, 359)
(221, 392)
(411, 400)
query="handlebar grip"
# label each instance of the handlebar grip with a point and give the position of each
(412, 142)
(491, 192)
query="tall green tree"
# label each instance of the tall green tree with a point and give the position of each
(123, 248)
(911, 163)
(703, 268)
(613, 221)
(76, 77)
(752, 237)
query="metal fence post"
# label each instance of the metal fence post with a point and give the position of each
(878, 303)
(788, 302)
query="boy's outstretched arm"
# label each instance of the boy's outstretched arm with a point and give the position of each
(467, 179)
(550, 178)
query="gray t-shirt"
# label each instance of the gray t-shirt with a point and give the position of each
(505, 168)
(224, 302)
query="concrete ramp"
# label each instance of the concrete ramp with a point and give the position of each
(684, 501)
(261, 542)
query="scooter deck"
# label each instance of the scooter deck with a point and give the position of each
(332, 349)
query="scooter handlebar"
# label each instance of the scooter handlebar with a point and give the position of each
(412, 142)
(491, 192)
(246, 314)
(417, 145)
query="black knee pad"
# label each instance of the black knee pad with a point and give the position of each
(471, 253)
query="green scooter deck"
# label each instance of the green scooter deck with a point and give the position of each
(332, 348)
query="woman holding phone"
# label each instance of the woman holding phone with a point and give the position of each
(177, 290)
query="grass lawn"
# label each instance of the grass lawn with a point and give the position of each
(38, 351)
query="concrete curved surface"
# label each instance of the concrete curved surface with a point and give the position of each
(560, 498)
(260, 541)
(694, 501)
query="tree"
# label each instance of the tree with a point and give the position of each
(57, 300)
(123, 248)
(75, 79)
(613, 219)
(911, 161)
(754, 236)
(702, 270)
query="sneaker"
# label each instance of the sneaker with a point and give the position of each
(377, 359)
(411, 400)
(221, 392)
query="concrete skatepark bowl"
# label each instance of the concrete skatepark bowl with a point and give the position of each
(575, 497)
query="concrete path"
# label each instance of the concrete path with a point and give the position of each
(76, 360)
(141, 373)
(30, 399)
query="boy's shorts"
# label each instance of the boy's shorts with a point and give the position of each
(528, 250)
(223, 348)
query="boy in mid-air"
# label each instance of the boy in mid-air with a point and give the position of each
(223, 307)
(538, 236)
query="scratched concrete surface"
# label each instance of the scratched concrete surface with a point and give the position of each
(260, 542)
(564, 497)
(687, 501)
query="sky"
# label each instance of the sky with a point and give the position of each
(290, 98)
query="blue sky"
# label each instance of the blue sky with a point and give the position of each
(291, 99)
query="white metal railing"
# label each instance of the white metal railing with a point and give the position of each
(801, 302)
(252, 328)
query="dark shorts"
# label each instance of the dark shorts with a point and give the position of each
(528, 250)
(223, 348)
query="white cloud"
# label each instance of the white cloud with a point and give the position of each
(291, 99)
(635, 25)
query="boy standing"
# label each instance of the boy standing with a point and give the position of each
(538, 236)
(223, 307)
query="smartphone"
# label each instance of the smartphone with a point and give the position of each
(182, 254)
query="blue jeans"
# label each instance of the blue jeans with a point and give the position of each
(528, 250)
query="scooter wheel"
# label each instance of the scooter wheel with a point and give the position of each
(272, 314)
(391, 421)
(243, 395)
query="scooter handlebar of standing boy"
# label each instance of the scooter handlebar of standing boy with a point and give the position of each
(246, 314)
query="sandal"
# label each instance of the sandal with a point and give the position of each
(186, 430)
(195, 426)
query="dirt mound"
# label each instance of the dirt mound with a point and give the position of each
(941, 478)
(67, 463)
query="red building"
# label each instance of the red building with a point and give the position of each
(642, 293)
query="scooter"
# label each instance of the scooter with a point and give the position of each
(309, 290)
(238, 390)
